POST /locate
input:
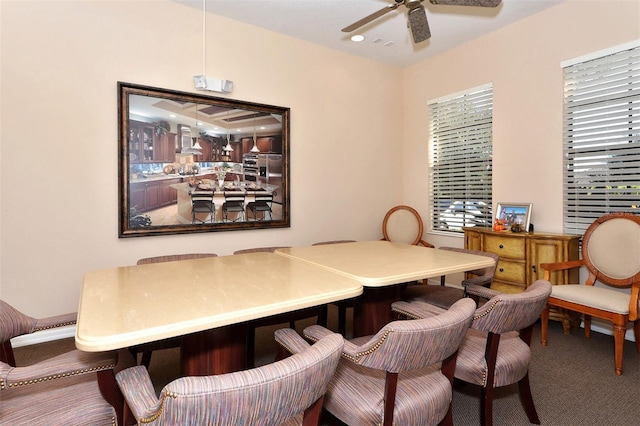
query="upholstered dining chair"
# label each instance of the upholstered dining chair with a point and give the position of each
(611, 255)
(74, 388)
(174, 257)
(269, 249)
(402, 375)
(147, 348)
(403, 224)
(496, 351)
(289, 391)
(444, 296)
(342, 305)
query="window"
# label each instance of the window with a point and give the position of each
(460, 160)
(601, 137)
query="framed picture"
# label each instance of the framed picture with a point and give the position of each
(514, 213)
(196, 163)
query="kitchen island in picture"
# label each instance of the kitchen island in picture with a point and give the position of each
(255, 195)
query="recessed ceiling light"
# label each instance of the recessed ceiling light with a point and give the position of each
(357, 38)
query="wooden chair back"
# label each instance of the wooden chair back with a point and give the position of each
(403, 224)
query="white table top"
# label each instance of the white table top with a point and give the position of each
(122, 307)
(382, 263)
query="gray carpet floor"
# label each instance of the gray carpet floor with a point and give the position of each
(572, 379)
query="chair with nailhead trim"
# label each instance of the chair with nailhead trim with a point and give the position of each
(286, 392)
(74, 388)
(403, 374)
(496, 350)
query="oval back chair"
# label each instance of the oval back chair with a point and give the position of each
(611, 254)
(403, 224)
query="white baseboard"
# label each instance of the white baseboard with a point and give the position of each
(44, 336)
(609, 330)
(70, 331)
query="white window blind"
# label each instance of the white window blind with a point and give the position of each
(460, 163)
(601, 138)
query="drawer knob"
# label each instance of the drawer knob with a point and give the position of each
(501, 246)
(501, 269)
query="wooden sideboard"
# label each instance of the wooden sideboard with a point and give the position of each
(521, 254)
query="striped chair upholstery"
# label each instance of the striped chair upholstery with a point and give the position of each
(66, 389)
(14, 323)
(496, 350)
(398, 375)
(147, 348)
(283, 392)
(444, 296)
(259, 250)
(174, 257)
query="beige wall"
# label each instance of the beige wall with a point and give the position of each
(60, 64)
(358, 135)
(523, 63)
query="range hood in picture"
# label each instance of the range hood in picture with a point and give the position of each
(186, 142)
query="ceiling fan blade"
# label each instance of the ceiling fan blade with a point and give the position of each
(418, 24)
(480, 3)
(370, 18)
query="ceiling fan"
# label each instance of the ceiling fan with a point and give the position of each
(416, 15)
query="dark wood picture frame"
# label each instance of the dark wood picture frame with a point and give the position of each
(233, 148)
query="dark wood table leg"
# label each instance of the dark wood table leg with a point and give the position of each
(217, 351)
(372, 310)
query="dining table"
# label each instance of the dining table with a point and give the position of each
(208, 302)
(383, 268)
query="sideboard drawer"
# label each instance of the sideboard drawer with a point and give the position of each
(507, 287)
(505, 246)
(521, 255)
(510, 271)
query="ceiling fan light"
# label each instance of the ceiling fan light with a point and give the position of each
(418, 24)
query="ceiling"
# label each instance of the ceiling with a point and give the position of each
(387, 39)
